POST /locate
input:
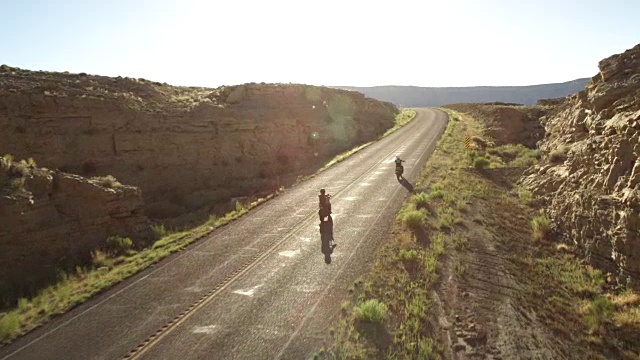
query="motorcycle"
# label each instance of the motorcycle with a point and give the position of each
(326, 238)
(399, 171)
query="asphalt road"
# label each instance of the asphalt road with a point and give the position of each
(258, 288)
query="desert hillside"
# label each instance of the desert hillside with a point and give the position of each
(414, 96)
(184, 147)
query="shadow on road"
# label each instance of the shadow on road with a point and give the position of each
(326, 237)
(404, 182)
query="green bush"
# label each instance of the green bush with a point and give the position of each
(413, 219)
(541, 226)
(159, 230)
(481, 163)
(526, 197)
(600, 312)
(118, 245)
(372, 311)
(20, 169)
(421, 200)
(9, 325)
(408, 255)
(472, 155)
(427, 349)
(436, 194)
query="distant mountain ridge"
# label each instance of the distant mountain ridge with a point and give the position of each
(414, 96)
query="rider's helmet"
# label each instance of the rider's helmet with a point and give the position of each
(322, 191)
(397, 157)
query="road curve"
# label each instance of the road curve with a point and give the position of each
(258, 288)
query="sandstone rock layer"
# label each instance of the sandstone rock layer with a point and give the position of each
(52, 221)
(184, 147)
(593, 191)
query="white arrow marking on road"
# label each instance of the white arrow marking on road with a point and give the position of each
(249, 292)
(289, 253)
(207, 329)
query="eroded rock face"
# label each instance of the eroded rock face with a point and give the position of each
(184, 147)
(507, 123)
(594, 193)
(55, 220)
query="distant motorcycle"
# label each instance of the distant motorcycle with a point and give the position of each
(399, 167)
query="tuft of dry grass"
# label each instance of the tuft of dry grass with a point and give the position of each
(541, 226)
(107, 181)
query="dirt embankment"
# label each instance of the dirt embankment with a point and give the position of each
(186, 148)
(590, 180)
(507, 123)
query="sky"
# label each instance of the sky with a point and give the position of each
(333, 43)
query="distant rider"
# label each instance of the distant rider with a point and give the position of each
(399, 168)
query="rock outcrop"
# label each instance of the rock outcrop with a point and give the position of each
(51, 221)
(184, 147)
(591, 179)
(507, 123)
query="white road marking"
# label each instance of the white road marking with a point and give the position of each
(350, 198)
(194, 289)
(249, 292)
(289, 253)
(307, 288)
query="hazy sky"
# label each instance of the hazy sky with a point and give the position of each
(359, 43)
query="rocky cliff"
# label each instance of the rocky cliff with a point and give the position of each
(51, 221)
(184, 147)
(591, 178)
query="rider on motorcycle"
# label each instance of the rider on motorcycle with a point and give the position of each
(324, 204)
(399, 167)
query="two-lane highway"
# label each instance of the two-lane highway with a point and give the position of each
(258, 288)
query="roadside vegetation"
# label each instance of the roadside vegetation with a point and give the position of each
(432, 249)
(119, 258)
(116, 261)
(13, 175)
(408, 267)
